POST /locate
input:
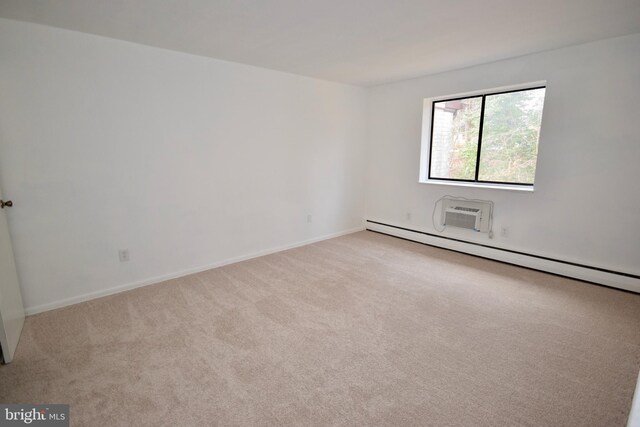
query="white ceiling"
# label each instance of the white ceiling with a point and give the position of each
(363, 42)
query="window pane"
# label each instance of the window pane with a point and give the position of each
(510, 136)
(454, 142)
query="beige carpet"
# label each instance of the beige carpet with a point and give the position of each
(362, 330)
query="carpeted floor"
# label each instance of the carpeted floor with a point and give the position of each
(362, 330)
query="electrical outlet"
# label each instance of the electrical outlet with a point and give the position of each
(504, 231)
(309, 218)
(408, 216)
(124, 255)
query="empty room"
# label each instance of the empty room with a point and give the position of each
(320, 213)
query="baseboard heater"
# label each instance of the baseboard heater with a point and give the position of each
(597, 275)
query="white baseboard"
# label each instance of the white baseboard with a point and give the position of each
(153, 280)
(531, 261)
(634, 415)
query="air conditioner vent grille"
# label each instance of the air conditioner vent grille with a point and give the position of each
(460, 212)
(462, 220)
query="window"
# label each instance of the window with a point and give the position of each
(487, 138)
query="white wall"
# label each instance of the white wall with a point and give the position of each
(586, 203)
(184, 160)
(189, 162)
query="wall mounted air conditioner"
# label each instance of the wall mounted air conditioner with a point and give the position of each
(462, 217)
(467, 214)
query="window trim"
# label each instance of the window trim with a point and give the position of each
(483, 95)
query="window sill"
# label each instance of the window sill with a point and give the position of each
(525, 188)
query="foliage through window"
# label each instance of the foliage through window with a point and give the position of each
(490, 138)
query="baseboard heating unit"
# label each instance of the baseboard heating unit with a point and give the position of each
(601, 276)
